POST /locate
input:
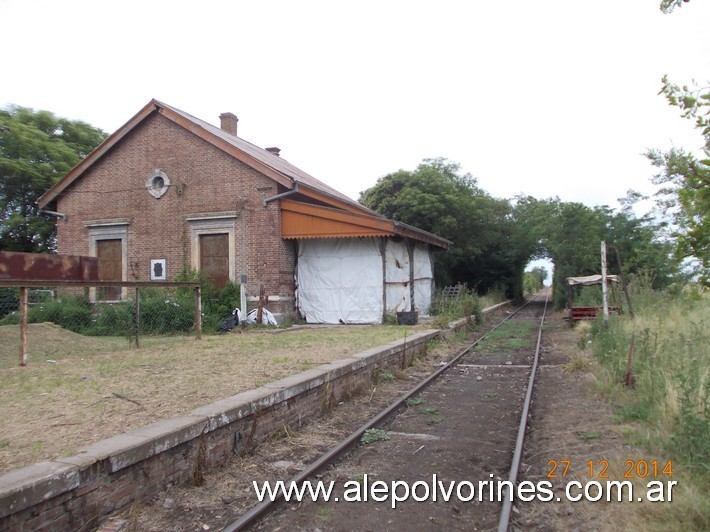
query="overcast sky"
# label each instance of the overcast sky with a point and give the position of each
(554, 98)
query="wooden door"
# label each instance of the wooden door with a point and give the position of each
(214, 258)
(110, 254)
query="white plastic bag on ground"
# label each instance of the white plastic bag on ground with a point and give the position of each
(267, 318)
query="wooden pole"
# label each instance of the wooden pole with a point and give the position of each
(260, 307)
(604, 286)
(623, 282)
(23, 326)
(383, 254)
(198, 311)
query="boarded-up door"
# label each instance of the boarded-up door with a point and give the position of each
(110, 254)
(214, 258)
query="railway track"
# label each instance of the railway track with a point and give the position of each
(461, 430)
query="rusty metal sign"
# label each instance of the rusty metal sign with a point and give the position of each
(46, 267)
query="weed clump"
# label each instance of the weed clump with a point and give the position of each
(374, 435)
(448, 309)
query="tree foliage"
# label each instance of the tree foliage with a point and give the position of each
(493, 240)
(684, 195)
(438, 198)
(534, 280)
(36, 150)
(570, 234)
(669, 5)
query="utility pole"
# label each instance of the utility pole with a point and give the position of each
(604, 286)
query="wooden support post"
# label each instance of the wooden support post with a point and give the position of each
(198, 311)
(410, 252)
(260, 307)
(383, 254)
(623, 281)
(23, 326)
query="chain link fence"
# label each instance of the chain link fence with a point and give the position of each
(147, 311)
(124, 310)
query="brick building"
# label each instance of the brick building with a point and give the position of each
(168, 192)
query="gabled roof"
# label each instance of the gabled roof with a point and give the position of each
(262, 160)
(265, 162)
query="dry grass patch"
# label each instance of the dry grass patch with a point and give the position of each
(77, 390)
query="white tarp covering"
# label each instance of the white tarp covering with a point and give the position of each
(423, 279)
(590, 280)
(340, 280)
(397, 276)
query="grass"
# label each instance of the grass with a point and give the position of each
(323, 513)
(433, 420)
(578, 361)
(432, 413)
(374, 435)
(79, 389)
(385, 376)
(667, 410)
(512, 334)
(82, 389)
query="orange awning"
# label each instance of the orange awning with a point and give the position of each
(305, 220)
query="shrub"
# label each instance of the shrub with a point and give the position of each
(159, 315)
(448, 309)
(9, 300)
(162, 311)
(216, 304)
(116, 319)
(73, 313)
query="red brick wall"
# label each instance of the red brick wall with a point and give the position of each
(211, 181)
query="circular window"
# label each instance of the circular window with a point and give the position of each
(157, 184)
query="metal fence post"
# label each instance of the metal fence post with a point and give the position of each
(198, 311)
(138, 318)
(23, 326)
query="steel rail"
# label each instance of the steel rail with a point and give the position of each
(257, 512)
(504, 521)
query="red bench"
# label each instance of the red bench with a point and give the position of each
(589, 313)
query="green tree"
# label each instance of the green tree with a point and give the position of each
(685, 180)
(438, 198)
(534, 280)
(36, 150)
(570, 234)
(684, 195)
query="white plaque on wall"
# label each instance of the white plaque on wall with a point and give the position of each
(158, 270)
